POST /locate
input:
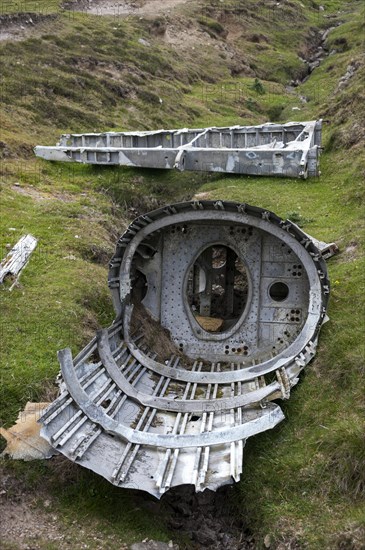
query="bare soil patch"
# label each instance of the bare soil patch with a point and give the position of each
(125, 7)
(19, 26)
(40, 196)
(178, 36)
(30, 520)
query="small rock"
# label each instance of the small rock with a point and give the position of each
(153, 545)
(313, 65)
(205, 536)
(143, 42)
(175, 523)
(267, 541)
(182, 508)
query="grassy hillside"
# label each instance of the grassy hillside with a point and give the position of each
(207, 64)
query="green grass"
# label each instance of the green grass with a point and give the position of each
(57, 290)
(44, 7)
(304, 481)
(212, 27)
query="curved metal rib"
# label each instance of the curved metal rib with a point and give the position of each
(95, 414)
(176, 405)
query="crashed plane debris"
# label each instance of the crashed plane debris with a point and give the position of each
(218, 309)
(290, 150)
(17, 258)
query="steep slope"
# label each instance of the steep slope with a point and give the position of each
(200, 64)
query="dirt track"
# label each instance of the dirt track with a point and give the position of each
(148, 7)
(21, 26)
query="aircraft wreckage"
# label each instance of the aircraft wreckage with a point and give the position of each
(290, 150)
(218, 309)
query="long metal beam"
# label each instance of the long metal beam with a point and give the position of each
(288, 150)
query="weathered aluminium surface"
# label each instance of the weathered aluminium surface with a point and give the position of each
(290, 150)
(218, 309)
(18, 257)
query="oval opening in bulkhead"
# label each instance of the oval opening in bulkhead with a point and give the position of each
(217, 288)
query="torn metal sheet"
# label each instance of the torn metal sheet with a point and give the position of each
(327, 249)
(23, 439)
(218, 309)
(290, 150)
(18, 257)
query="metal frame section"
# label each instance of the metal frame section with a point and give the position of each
(147, 422)
(290, 150)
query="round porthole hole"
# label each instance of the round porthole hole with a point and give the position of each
(279, 291)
